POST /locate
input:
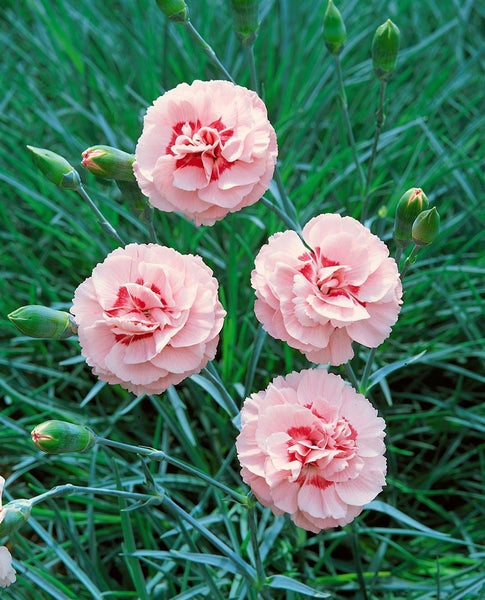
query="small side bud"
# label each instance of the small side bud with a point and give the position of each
(175, 10)
(42, 322)
(426, 227)
(109, 163)
(385, 46)
(55, 168)
(245, 14)
(57, 437)
(334, 32)
(412, 202)
(13, 515)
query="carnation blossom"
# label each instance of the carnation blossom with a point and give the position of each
(340, 287)
(7, 572)
(206, 149)
(312, 447)
(148, 317)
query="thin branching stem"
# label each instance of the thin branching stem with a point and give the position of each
(380, 116)
(253, 532)
(342, 95)
(207, 49)
(102, 220)
(249, 49)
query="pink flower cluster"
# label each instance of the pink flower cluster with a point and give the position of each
(336, 286)
(312, 447)
(148, 317)
(207, 149)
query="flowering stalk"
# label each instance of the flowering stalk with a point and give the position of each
(256, 546)
(103, 222)
(206, 49)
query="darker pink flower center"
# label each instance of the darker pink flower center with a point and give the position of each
(139, 311)
(321, 449)
(194, 145)
(328, 276)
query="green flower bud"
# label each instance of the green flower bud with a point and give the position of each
(426, 227)
(13, 515)
(57, 437)
(408, 208)
(385, 46)
(41, 322)
(175, 10)
(334, 32)
(55, 168)
(245, 14)
(109, 163)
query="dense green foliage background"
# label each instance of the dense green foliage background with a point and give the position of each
(77, 74)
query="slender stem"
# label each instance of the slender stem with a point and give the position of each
(410, 260)
(68, 489)
(348, 125)
(281, 214)
(398, 255)
(207, 49)
(104, 223)
(380, 116)
(160, 455)
(249, 49)
(351, 375)
(255, 544)
(367, 370)
(354, 540)
(148, 218)
(287, 204)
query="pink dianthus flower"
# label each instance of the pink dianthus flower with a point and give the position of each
(312, 447)
(206, 149)
(148, 317)
(341, 287)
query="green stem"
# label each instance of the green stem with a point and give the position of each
(160, 455)
(348, 125)
(354, 540)
(253, 532)
(370, 166)
(103, 222)
(214, 378)
(288, 206)
(249, 49)
(207, 49)
(410, 260)
(367, 370)
(281, 214)
(351, 375)
(68, 489)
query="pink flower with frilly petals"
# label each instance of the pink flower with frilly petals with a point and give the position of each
(148, 317)
(207, 149)
(312, 447)
(341, 287)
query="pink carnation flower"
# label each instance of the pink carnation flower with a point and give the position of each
(311, 446)
(339, 288)
(148, 317)
(207, 149)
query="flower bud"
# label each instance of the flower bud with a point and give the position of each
(175, 10)
(334, 32)
(408, 208)
(426, 227)
(109, 163)
(55, 168)
(245, 14)
(385, 46)
(57, 437)
(13, 515)
(41, 322)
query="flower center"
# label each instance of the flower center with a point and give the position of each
(319, 450)
(328, 276)
(139, 310)
(194, 145)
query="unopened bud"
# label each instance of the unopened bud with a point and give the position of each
(55, 168)
(412, 202)
(42, 322)
(385, 46)
(175, 10)
(426, 227)
(334, 32)
(13, 515)
(109, 163)
(57, 437)
(245, 14)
